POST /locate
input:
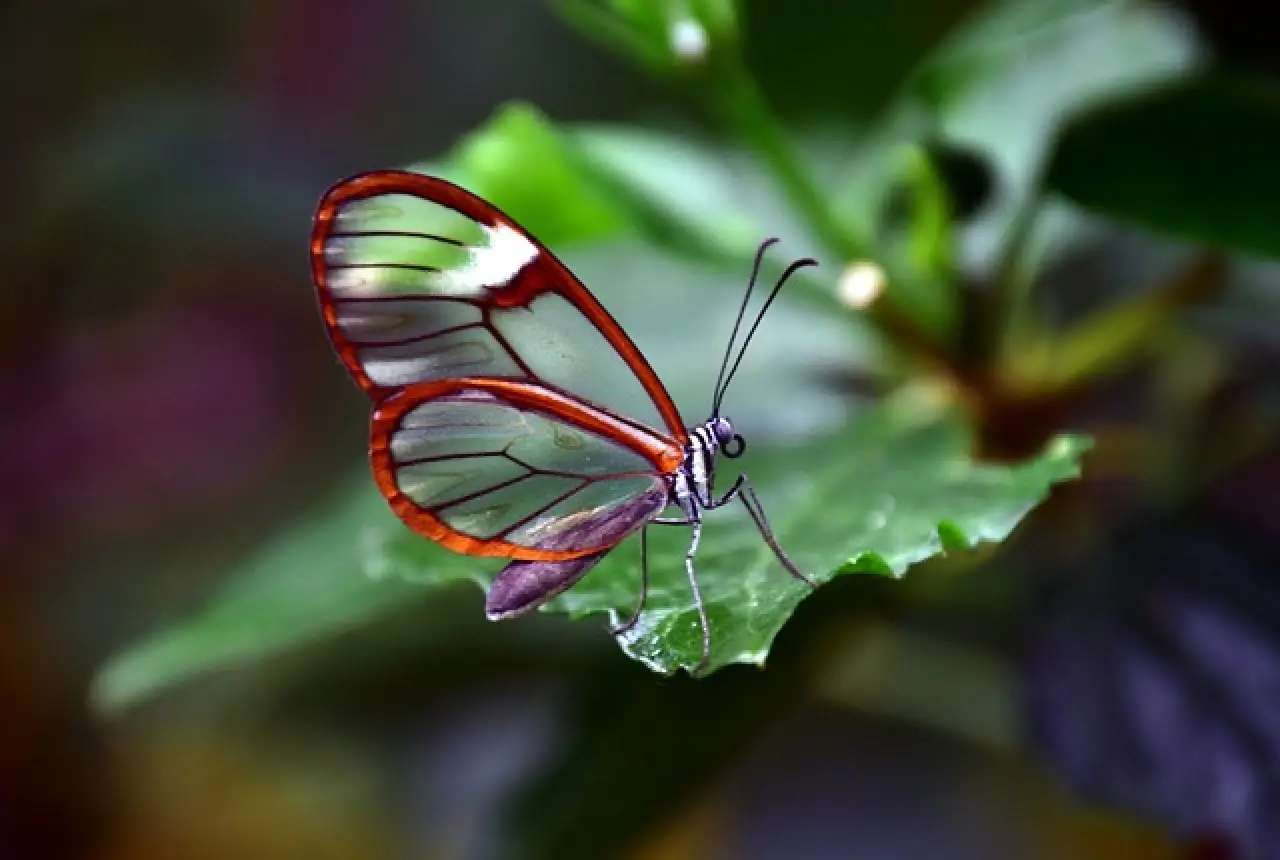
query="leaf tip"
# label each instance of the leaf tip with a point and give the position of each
(867, 562)
(953, 538)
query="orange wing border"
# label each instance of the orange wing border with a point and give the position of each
(664, 454)
(545, 274)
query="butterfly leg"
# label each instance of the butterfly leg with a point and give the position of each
(752, 503)
(644, 586)
(697, 596)
(644, 571)
(693, 583)
(729, 493)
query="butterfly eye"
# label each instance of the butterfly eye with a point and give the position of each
(731, 444)
(733, 447)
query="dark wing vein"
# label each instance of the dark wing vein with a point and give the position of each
(537, 470)
(506, 344)
(442, 458)
(417, 338)
(410, 267)
(525, 520)
(469, 497)
(407, 297)
(408, 234)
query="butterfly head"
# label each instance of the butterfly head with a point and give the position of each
(730, 443)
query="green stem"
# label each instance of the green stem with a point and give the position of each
(744, 108)
(747, 113)
(1014, 277)
(608, 29)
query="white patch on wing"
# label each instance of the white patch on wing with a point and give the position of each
(364, 282)
(491, 265)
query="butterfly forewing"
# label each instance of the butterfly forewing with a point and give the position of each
(421, 281)
(486, 467)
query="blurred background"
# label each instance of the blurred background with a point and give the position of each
(1071, 204)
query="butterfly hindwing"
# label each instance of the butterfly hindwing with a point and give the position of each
(504, 468)
(525, 585)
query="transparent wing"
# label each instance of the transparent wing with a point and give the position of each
(490, 467)
(421, 281)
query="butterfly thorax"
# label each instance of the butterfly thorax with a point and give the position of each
(692, 487)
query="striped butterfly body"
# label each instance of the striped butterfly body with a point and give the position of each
(513, 417)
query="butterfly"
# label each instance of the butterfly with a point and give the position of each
(513, 417)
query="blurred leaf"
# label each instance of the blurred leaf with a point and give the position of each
(524, 165)
(1004, 84)
(979, 50)
(1195, 159)
(590, 183)
(715, 200)
(1019, 89)
(817, 59)
(637, 29)
(1152, 673)
(304, 585)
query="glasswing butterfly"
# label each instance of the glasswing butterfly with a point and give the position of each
(513, 417)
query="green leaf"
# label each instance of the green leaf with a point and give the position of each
(817, 58)
(711, 199)
(327, 575)
(870, 498)
(1005, 82)
(522, 163)
(982, 48)
(591, 183)
(1194, 160)
(1055, 58)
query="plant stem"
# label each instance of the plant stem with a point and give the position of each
(736, 95)
(606, 28)
(1013, 277)
(745, 110)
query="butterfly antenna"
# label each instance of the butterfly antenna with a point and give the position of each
(737, 323)
(790, 270)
